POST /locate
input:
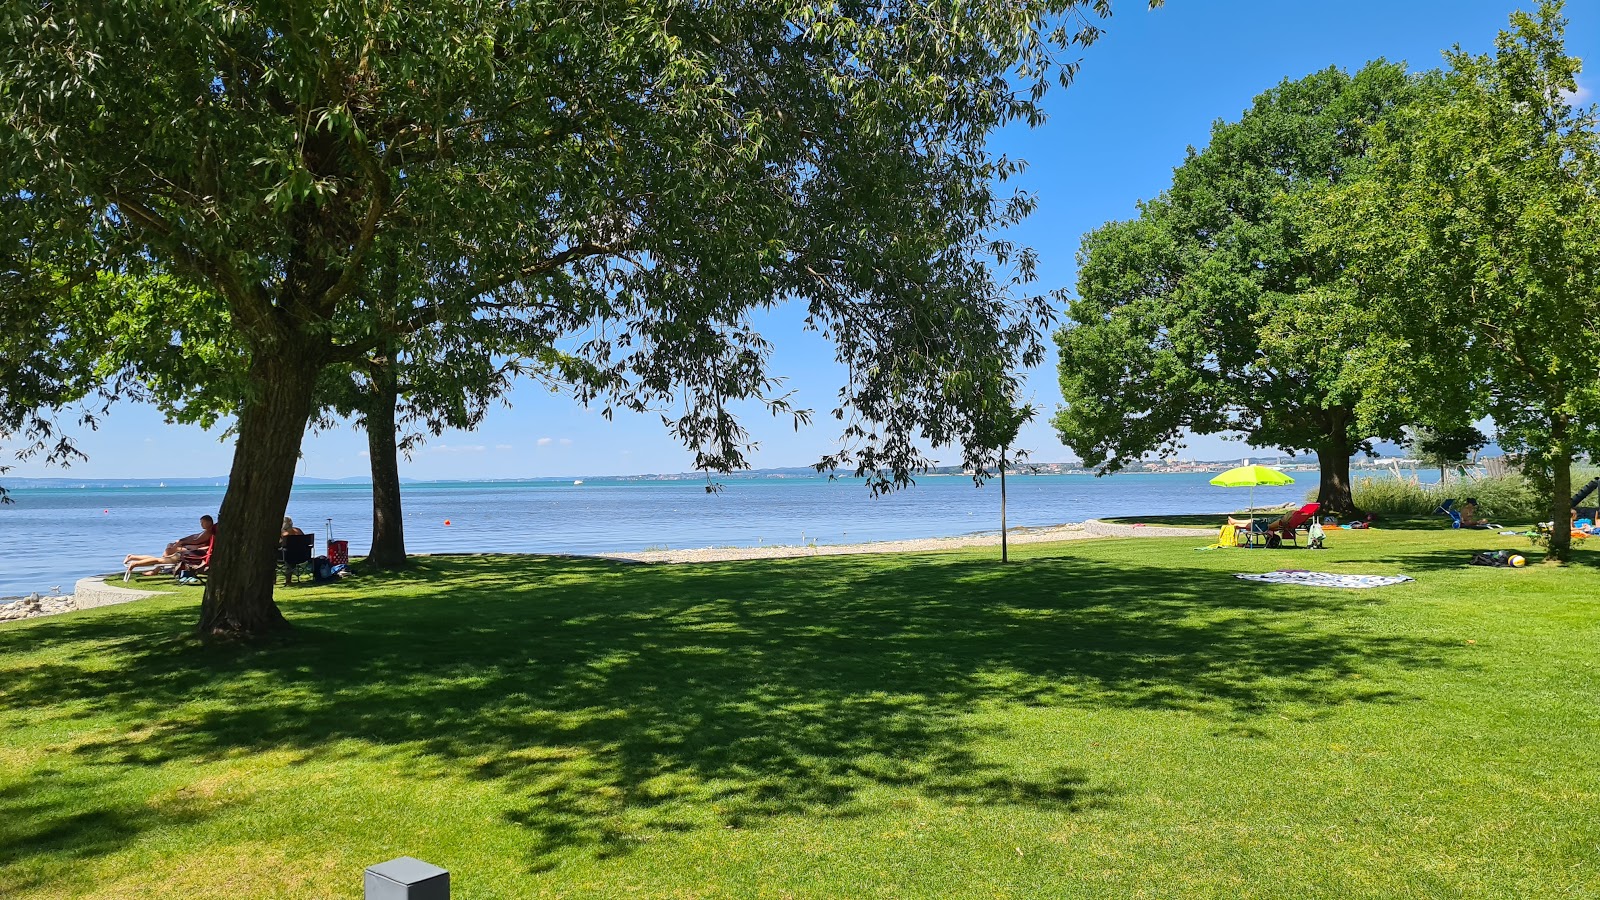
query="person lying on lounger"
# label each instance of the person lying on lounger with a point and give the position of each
(133, 561)
(192, 543)
(1277, 524)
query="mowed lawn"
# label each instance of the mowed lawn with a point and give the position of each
(1097, 719)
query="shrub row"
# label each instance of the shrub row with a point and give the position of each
(1510, 498)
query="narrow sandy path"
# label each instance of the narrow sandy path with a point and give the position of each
(1051, 534)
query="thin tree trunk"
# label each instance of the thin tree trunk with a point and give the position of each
(1005, 555)
(1561, 502)
(388, 528)
(238, 596)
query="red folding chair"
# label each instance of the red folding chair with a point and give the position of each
(195, 565)
(1289, 530)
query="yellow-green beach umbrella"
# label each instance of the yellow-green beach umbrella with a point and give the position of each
(1250, 476)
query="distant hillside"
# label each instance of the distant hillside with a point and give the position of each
(109, 483)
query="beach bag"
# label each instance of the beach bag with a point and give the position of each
(1500, 559)
(322, 570)
(1315, 536)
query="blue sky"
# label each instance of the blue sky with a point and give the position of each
(1149, 89)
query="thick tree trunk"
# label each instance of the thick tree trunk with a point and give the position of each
(388, 530)
(1333, 459)
(238, 596)
(1561, 482)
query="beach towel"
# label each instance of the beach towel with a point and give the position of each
(1324, 579)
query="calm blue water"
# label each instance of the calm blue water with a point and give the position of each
(55, 536)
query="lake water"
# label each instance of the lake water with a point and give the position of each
(54, 536)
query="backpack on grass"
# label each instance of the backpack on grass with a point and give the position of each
(322, 570)
(1499, 559)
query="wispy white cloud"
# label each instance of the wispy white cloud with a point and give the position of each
(1583, 96)
(458, 448)
(366, 454)
(566, 442)
(545, 442)
(502, 446)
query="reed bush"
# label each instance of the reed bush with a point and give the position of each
(1510, 497)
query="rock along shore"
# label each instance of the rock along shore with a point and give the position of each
(88, 594)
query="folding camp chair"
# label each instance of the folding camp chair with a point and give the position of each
(296, 552)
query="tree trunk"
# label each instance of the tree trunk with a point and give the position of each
(1005, 555)
(388, 530)
(1334, 493)
(1561, 502)
(238, 597)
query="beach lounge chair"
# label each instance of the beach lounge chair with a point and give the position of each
(1256, 536)
(296, 552)
(1447, 509)
(194, 566)
(1289, 528)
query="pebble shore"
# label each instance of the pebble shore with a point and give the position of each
(34, 605)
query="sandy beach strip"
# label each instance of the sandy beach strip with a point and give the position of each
(1045, 535)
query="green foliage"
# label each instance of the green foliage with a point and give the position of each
(1210, 312)
(1480, 227)
(621, 185)
(1445, 447)
(1099, 718)
(660, 169)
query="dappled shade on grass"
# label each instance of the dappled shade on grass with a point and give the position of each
(601, 706)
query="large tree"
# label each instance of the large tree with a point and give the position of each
(1480, 228)
(1210, 313)
(640, 176)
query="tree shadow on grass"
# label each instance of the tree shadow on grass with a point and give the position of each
(615, 704)
(47, 822)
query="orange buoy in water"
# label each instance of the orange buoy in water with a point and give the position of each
(447, 521)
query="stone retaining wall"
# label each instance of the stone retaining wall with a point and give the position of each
(92, 592)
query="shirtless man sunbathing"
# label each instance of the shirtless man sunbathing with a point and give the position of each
(193, 543)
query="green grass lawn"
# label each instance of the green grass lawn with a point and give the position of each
(1098, 719)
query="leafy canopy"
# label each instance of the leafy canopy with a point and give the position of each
(1210, 312)
(1480, 226)
(633, 178)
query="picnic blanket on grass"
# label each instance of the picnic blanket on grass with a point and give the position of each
(1325, 579)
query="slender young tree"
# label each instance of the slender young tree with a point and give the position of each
(638, 177)
(1207, 313)
(1480, 226)
(1445, 447)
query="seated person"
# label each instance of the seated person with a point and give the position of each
(188, 544)
(288, 529)
(1583, 526)
(1469, 515)
(200, 540)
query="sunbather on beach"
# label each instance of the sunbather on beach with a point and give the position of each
(190, 543)
(1275, 525)
(133, 561)
(201, 539)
